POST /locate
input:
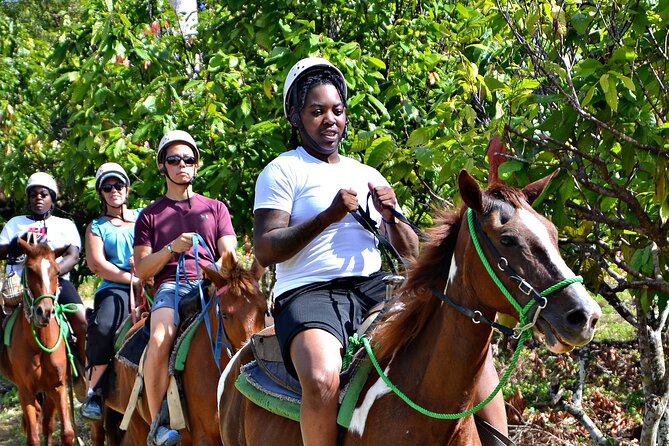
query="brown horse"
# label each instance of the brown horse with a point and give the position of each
(36, 359)
(431, 351)
(242, 308)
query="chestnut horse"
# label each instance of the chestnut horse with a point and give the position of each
(36, 359)
(430, 343)
(241, 306)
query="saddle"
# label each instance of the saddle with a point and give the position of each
(266, 382)
(131, 353)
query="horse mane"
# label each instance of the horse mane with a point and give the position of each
(411, 311)
(415, 305)
(241, 282)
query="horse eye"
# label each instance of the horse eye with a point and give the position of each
(225, 316)
(506, 240)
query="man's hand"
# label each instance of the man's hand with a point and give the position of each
(344, 202)
(183, 243)
(384, 200)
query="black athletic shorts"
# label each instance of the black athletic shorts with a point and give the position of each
(337, 307)
(68, 293)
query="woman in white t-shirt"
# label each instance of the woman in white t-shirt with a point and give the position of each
(57, 232)
(327, 265)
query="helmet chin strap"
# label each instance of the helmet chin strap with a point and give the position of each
(314, 145)
(187, 183)
(44, 216)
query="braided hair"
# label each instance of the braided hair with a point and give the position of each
(298, 94)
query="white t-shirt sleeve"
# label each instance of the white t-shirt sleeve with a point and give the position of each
(71, 234)
(274, 189)
(8, 232)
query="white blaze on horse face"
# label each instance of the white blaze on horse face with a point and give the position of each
(536, 227)
(44, 274)
(360, 413)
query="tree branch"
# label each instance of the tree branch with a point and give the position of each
(575, 409)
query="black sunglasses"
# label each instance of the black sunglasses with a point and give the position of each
(173, 160)
(108, 187)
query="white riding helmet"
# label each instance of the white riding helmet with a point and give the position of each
(110, 170)
(42, 179)
(174, 136)
(304, 66)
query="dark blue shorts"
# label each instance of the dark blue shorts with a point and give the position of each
(337, 306)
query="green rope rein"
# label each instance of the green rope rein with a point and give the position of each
(522, 329)
(63, 329)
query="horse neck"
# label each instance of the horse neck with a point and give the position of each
(451, 346)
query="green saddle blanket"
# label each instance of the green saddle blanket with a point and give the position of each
(266, 383)
(8, 325)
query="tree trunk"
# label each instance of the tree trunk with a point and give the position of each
(654, 377)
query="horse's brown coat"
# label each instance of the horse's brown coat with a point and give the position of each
(431, 352)
(27, 365)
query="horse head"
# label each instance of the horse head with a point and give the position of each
(241, 304)
(521, 247)
(40, 276)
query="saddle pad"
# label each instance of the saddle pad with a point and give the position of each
(121, 332)
(8, 325)
(181, 347)
(263, 391)
(131, 350)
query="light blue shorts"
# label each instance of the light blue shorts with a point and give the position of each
(165, 295)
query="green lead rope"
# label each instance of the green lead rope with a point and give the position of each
(63, 330)
(522, 334)
(446, 416)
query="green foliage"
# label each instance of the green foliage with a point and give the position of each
(579, 86)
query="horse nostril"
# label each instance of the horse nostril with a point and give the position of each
(577, 318)
(593, 322)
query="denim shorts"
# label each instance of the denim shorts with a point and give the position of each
(165, 294)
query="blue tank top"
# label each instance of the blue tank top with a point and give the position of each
(118, 245)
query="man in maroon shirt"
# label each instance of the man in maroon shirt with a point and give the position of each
(165, 230)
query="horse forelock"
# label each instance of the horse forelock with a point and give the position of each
(242, 283)
(505, 194)
(416, 304)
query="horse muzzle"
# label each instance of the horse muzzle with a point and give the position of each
(42, 316)
(574, 328)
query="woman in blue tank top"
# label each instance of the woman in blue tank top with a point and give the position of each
(109, 249)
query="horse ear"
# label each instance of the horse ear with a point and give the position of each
(533, 190)
(214, 276)
(24, 245)
(470, 191)
(257, 269)
(227, 261)
(496, 156)
(60, 251)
